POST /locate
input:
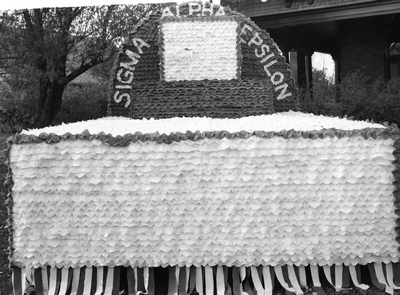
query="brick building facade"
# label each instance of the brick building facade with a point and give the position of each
(360, 35)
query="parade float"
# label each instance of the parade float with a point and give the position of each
(205, 178)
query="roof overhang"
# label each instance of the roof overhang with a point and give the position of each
(328, 14)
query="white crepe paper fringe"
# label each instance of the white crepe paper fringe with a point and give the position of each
(186, 280)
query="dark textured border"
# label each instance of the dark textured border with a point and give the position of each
(8, 185)
(367, 133)
(396, 183)
(124, 140)
(204, 98)
(253, 67)
(286, 104)
(126, 41)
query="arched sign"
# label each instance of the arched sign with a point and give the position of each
(199, 59)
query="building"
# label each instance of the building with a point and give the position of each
(361, 35)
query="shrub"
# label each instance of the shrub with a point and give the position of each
(83, 102)
(80, 102)
(321, 98)
(377, 101)
(17, 109)
(359, 98)
(389, 102)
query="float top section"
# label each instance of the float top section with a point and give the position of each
(199, 59)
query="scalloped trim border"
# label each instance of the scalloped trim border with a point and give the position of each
(124, 140)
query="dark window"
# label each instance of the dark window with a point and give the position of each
(393, 57)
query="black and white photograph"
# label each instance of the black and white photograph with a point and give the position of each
(219, 147)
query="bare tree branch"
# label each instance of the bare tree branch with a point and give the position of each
(28, 21)
(55, 46)
(81, 70)
(9, 57)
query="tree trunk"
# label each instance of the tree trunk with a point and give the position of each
(49, 102)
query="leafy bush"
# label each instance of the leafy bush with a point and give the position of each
(83, 102)
(388, 102)
(364, 100)
(359, 98)
(17, 109)
(322, 96)
(80, 102)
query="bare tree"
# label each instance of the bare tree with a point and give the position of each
(49, 47)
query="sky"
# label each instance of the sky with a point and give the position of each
(322, 61)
